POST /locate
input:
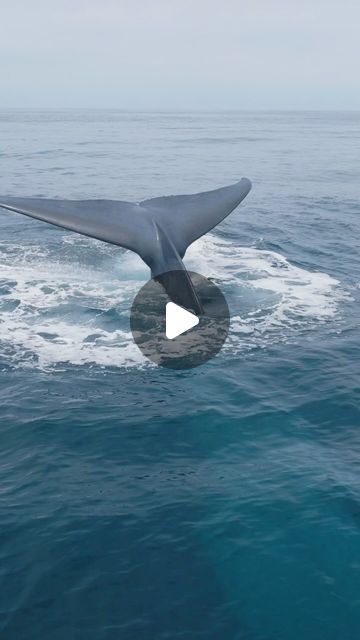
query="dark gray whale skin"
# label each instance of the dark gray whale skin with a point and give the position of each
(159, 230)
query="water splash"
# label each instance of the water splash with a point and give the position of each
(77, 311)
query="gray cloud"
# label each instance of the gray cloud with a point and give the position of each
(180, 54)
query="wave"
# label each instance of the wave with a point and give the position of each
(71, 303)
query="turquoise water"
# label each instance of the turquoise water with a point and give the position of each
(224, 501)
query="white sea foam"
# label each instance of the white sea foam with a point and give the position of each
(54, 311)
(269, 297)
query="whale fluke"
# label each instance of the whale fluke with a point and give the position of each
(159, 230)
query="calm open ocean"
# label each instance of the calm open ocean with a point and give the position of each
(139, 503)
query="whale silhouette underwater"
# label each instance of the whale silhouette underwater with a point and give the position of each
(159, 230)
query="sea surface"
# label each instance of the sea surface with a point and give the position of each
(140, 503)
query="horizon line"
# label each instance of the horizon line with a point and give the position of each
(180, 109)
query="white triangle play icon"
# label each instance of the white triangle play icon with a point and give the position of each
(178, 320)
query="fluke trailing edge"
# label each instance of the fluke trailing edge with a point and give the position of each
(159, 230)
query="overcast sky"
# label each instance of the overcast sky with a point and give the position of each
(180, 54)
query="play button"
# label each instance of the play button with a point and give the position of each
(178, 320)
(173, 336)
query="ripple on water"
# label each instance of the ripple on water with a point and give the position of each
(78, 312)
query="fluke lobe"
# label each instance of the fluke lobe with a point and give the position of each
(159, 230)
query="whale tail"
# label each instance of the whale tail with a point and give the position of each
(159, 230)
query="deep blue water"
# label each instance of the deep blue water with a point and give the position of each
(145, 503)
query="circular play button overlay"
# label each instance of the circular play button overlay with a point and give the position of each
(180, 320)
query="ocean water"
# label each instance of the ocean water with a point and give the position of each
(224, 501)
